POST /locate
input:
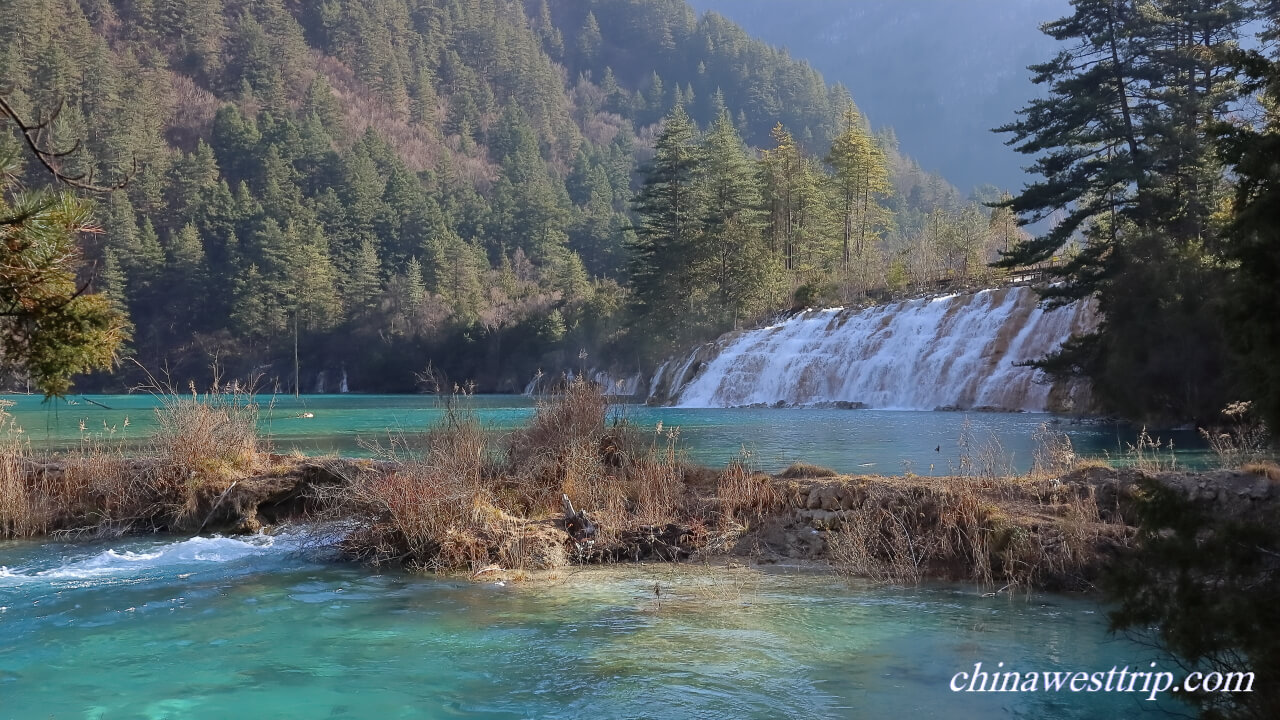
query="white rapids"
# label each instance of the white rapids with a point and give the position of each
(127, 565)
(958, 351)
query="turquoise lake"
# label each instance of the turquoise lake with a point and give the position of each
(214, 628)
(886, 442)
(270, 627)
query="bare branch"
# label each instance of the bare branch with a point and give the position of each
(49, 156)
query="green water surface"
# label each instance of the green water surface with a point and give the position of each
(867, 441)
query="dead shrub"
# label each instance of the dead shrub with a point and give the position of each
(1054, 455)
(563, 440)
(1243, 439)
(213, 435)
(744, 495)
(900, 534)
(427, 509)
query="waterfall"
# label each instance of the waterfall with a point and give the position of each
(342, 385)
(534, 382)
(957, 351)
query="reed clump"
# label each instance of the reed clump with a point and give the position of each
(1242, 439)
(744, 495)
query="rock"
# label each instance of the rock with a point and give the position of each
(1261, 489)
(248, 525)
(829, 501)
(848, 497)
(815, 499)
(824, 519)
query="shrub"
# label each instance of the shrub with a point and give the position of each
(744, 495)
(560, 446)
(1242, 439)
(801, 470)
(212, 435)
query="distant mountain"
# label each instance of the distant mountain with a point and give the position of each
(942, 74)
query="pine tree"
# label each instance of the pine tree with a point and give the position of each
(313, 286)
(732, 254)
(146, 263)
(662, 277)
(800, 218)
(589, 39)
(51, 329)
(862, 184)
(364, 283)
(1252, 239)
(114, 285)
(1123, 146)
(321, 102)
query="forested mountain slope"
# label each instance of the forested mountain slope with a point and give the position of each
(376, 185)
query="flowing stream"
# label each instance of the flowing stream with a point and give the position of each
(213, 627)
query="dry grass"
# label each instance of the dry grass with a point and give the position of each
(656, 480)
(1015, 533)
(202, 446)
(802, 470)
(1270, 470)
(18, 514)
(1150, 454)
(467, 500)
(1242, 439)
(901, 533)
(744, 495)
(1054, 455)
(985, 459)
(213, 435)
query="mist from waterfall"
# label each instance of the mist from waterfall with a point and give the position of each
(958, 351)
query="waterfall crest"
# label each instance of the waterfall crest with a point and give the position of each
(957, 351)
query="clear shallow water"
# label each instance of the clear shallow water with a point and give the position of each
(870, 441)
(218, 628)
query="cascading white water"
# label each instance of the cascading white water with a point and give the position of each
(955, 351)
